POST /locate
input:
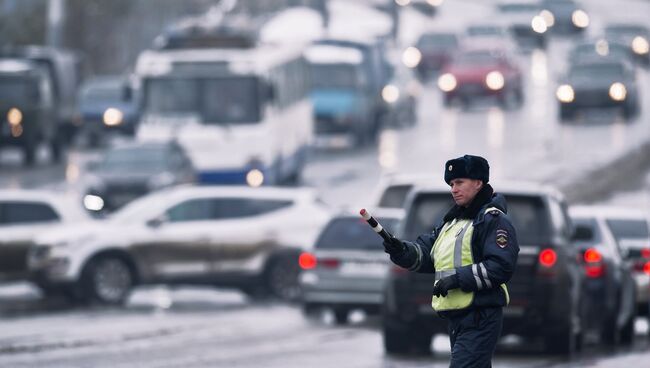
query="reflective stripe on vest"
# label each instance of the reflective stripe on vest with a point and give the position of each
(453, 249)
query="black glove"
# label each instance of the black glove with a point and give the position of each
(394, 246)
(445, 284)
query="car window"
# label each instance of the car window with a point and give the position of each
(246, 207)
(530, 219)
(192, 210)
(353, 233)
(26, 212)
(394, 196)
(591, 223)
(425, 213)
(558, 219)
(628, 229)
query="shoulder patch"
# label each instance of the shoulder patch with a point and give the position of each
(502, 238)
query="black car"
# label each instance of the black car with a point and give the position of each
(609, 290)
(635, 36)
(544, 290)
(602, 82)
(437, 49)
(27, 109)
(565, 16)
(132, 170)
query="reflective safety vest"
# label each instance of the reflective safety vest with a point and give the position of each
(453, 249)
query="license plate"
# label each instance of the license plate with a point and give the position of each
(364, 269)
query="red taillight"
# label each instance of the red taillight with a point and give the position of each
(646, 268)
(547, 258)
(592, 255)
(594, 267)
(307, 261)
(645, 252)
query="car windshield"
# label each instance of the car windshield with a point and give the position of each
(609, 49)
(353, 233)
(102, 92)
(599, 71)
(140, 210)
(394, 196)
(518, 8)
(334, 76)
(17, 90)
(437, 41)
(476, 58)
(528, 214)
(135, 159)
(226, 100)
(626, 30)
(628, 229)
(485, 31)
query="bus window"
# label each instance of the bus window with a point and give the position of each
(231, 100)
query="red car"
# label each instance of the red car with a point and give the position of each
(480, 73)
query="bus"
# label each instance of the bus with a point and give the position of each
(239, 109)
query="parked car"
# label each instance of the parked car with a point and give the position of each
(106, 105)
(238, 237)
(482, 73)
(598, 83)
(27, 109)
(436, 49)
(130, 170)
(635, 36)
(347, 268)
(629, 228)
(565, 16)
(544, 290)
(401, 95)
(610, 288)
(24, 215)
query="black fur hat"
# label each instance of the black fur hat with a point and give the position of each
(468, 166)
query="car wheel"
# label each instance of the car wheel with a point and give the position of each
(282, 276)
(108, 280)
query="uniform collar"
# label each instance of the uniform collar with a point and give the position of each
(483, 198)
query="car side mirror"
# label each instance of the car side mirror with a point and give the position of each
(582, 233)
(157, 222)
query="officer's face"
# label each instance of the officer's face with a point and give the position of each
(464, 190)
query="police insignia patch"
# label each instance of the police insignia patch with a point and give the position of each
(502, 238)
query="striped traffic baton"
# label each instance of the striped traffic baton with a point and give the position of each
(376, 225)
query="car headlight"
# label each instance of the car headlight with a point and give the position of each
(640, 45)
(93, 202)
(494, 80)
(538, 24)
(14, 116)
(255, 178)
(548, 17)
(617, 91)
(447, 82)
(390, 93)
(580, 18)
(565, 93)
(113, 117)
(411, 57)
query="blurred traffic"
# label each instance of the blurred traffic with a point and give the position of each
(233, 151)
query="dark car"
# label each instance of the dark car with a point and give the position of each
(482, 73)
(525, 23)
(603, 82)
(27, 109)
(635, 36)
(544, 290)
(132, 170)
(107, 104)
(437, 49)
(609, 303)
(565, 16)
(401, 95)
(347, 268)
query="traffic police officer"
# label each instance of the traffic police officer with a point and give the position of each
(473, 253)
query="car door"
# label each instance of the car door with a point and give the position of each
(245, 232)
(176, 245)
(20, 221)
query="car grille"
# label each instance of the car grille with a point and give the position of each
(327, 124)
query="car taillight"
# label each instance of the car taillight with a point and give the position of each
(328, 262)
(645, 252)
(307, 261)
(646, 268)
(547, 258)
(594, 263)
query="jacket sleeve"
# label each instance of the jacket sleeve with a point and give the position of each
(500, 252)
(417, 255)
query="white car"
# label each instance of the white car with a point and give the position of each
(24, 214)
(629, 228)
(392, 190)
(242, 237)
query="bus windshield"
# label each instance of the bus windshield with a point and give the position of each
(334, 76)
(226, 100)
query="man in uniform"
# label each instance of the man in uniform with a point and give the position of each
(473, 253)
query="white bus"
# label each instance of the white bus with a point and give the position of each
(242, 113)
